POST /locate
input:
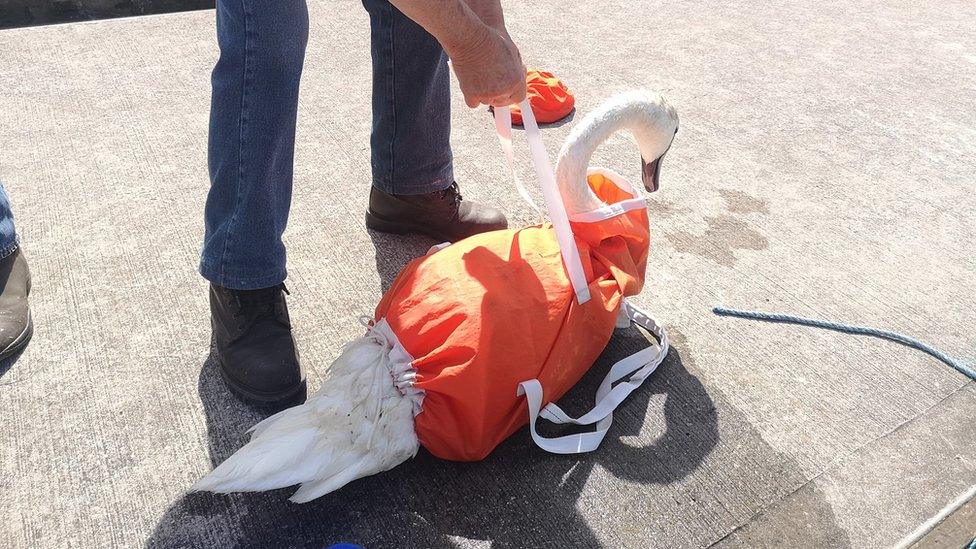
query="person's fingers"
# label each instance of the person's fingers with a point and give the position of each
(515, 92)
(518, 95)
(505, 98)
(497, 81)
(510, 96)
(514, 95)
(510, 99)
(471, 101)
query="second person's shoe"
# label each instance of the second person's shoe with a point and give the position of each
(16, 326)
(442, 215)
(254, 346)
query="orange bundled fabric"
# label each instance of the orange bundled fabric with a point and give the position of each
(494, 310)
(549, 97)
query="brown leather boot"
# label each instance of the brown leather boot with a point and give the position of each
(16, 326)
(441, 215)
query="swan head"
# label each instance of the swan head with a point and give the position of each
(646, 114)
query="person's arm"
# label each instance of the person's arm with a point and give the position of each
(487, 64)
(490, 13)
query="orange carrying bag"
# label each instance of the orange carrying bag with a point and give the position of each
(479, 338)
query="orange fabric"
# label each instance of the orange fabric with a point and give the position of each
(550, 99)
(496, 309)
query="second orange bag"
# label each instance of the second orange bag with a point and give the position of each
(550, 99)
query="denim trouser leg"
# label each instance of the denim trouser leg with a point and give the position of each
(252, 127)
(411, 138)
(8, 236)
(252, 140)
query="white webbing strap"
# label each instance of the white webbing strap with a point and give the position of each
(503, 127)
(639, 366)
(550, 192)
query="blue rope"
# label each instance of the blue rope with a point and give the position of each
(856, 330)
(972, 544)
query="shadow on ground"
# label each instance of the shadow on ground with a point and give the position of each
(509, 498)
(393, 252)
(519, 496)
(7, 364)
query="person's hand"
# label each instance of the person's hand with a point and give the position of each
(489, 69)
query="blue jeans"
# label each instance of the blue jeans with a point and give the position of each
(8, 236)
(253, 111)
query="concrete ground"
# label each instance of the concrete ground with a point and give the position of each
(825, 166)
(953, 532)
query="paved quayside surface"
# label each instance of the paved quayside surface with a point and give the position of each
(825, 167)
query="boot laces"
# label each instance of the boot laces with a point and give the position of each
(249, 306)
(454, 191)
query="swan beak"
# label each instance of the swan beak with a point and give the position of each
(651, 174)
(651, 171)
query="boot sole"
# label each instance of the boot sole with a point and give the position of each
(21, 341)
(382, 225)
(259, 397)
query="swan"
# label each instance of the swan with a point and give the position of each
(366, 417)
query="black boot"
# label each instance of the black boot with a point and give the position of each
(16, 326)
(254, 345)
(441, 215)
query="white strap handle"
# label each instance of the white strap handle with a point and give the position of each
(503, 127)
(550, 192)
(640, 365)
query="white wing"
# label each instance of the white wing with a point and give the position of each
(356, 425)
